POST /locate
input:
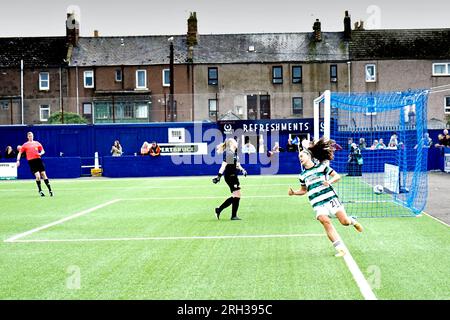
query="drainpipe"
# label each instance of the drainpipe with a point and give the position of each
(21, 87)
(61, 95)
(349, 77)
(78, 92)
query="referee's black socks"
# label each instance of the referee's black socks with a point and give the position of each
(38, 182)
(235, 207)
(47, 183)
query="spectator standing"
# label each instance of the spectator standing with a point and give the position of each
(291, 147)
(262, 146)
(248, 147)
(362, 144)
(393, 142)
(349, 143)
(355, 161)
(428, 142)
(380, 145)
(10, 153)
(155, 150)
(446, 138)
(145, 149)
(116, 150)
(374, 145)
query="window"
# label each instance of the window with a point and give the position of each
(4, 104)
(141, 110)
(333, 73)
(44, 112)
(297, 74)
(213, 76)
(166, 77)
(44, 81)
(118, 75)
(297, 106)
(447, 105)
(277, 75)
(87, 108)
(89, 79)
(371, 73)
(212, 107)
(441, 69)
(264, 106)
(141, 79)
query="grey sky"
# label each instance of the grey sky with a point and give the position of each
(157, 17)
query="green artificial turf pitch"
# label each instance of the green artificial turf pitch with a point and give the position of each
(158, 238)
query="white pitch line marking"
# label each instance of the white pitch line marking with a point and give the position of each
(363, 285)
(156, 187)
(438, 220)
(76, 215)
(200, 197)
(174, 238)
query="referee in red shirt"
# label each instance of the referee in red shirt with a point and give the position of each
(34, 151)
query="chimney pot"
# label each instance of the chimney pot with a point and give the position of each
(317, 31)
(359, 25)
(347, 27)
(72, 29)
(192, 30)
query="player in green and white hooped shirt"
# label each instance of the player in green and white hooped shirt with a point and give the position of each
(316, 181)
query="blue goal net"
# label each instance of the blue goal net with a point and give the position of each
(382, 149)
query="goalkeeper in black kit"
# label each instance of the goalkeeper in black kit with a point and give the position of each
(229, 170)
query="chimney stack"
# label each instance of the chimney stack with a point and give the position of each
(72, 30)
(317, 31)
(192, 30)
(347, 27)
(95, 33)
(359, 25)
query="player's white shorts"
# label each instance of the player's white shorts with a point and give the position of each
(329, 208)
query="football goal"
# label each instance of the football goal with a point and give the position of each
(383, 160)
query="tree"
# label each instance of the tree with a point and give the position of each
(69, 118)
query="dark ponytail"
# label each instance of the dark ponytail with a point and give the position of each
(322, 149)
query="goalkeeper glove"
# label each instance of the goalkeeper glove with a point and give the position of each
(217, 179)
(244, 172)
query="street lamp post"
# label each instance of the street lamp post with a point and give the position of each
(172, 82)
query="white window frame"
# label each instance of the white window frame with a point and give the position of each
(43, 107)
(85, 107)
(446, 107)
(137, 79)
(41, 86)
(141, 111)
(85, 76)
(165, 82)
(368, 77)
(447, 69)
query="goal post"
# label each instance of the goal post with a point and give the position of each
(325, 99)
(383, 160)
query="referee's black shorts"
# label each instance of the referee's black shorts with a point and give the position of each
(232, 182)
(36, 165)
